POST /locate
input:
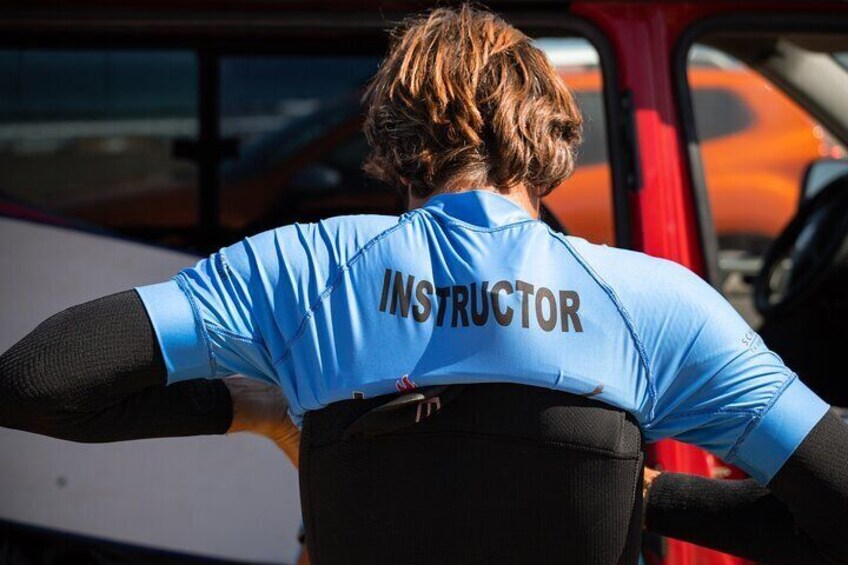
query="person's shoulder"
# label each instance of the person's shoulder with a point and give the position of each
(628, 267)
(338, 237)
(314, 251)
(345, 237)
(357, 229)
(645, 284)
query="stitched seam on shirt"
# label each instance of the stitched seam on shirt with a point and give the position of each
(337, 281)
(758, 418)
(234, 335)
(472, 227)
(198, 321)
(625, 315)
(226, 271)
(714, 412)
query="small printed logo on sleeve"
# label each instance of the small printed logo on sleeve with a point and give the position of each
(752, 341)
(404, 384)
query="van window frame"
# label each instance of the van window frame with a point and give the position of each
(278, 33)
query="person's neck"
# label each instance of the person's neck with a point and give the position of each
(517, 194)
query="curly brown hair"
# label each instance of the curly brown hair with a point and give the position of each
(464, 99)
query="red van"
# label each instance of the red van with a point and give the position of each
(136, 136)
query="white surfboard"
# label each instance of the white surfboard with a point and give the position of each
(233, 497)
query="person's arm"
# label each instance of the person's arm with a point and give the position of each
(799, 517)
(94, 373)
(711, 381)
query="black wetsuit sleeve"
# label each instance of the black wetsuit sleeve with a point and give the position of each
(95, 373)
(798, 518)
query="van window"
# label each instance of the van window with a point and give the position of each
(112, 139)
(297, 123)
(84, 132)
(719, 112)
(582, 205)
(756, 143)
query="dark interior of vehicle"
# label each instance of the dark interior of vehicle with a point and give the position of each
(806, 312)
(801, 290)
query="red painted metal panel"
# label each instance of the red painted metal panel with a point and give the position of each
(664, 217)
(643, 37)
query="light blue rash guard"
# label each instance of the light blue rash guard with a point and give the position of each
(472, 289)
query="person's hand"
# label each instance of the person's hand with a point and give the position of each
(647, 478)
(260, 408)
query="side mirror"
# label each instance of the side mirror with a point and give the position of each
(821, 173)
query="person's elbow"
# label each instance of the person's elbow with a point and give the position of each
(27, 402)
